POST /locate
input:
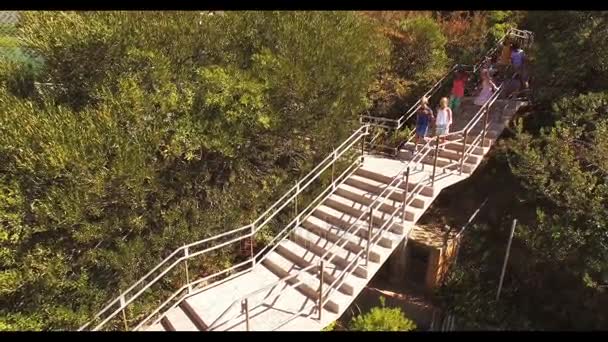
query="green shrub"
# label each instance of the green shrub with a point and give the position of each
(382, 319)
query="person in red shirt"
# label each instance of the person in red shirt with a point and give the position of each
(458, 89)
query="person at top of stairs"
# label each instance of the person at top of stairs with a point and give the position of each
(443, 120)
(424, 117)
(458, 89)
(487, 87)
(505, 56)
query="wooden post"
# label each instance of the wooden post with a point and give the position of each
(435, 161)
(504, 265)
(369, 235)
(321, 271)
(186, 254)
(246, 307)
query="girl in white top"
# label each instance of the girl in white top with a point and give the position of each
(443, 119)
(487, 87)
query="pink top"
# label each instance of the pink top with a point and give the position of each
(458, 87)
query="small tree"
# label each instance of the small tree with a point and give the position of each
(382, 319)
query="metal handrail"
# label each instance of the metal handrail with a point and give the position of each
(349, 268)
(320, 198)
(272, 211)
(253, 228)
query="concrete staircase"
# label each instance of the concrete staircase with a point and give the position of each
(294, 302)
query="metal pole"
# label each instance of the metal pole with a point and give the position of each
(298, 191)
(369, 235)
(252, 238)
(186, 254)
(124, 314)
(464, 149)
(321, 271)
(333, 169)
(246, 306)
(485, 126)
(435, 161)
(407, 185)
(504, 265)
(363, 145)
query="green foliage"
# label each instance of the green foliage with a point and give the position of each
(422, 54)
(562, 42)
(152, 130)
(417, 59)
(558, 163)
(330, 327)
(382, 319)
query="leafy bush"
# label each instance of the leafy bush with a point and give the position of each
(382, 319)
(156, 129)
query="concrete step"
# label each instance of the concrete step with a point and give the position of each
(318, 245)
(357, 209)
(380, 182)
(442, 163)
(309, 284)
(345, 221)
(156, 327)
(457, 147)
(368, 197)
(177, 319)
(303, 258)
(334, 234)
(470, 139)
(405, 154)
(377, 187)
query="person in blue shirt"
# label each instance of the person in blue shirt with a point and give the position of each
(517, 58)
(424, 118)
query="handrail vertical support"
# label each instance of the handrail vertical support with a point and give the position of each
(363, 146)
(464, 148)
(186, 255)
(124, 314)
(245, 305)
(407, 186)
(435, 161)
(485, 126)
(321, 272)
(252, 238)
(333, 169)
(369, 235)
(296, 197)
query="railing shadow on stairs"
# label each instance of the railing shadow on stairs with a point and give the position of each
(355, 145)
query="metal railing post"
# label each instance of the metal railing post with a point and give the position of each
(464, 149)
(245, 305)
(363, 146)
(435, 161)
(296, 197)
(321, 271)
(186, 254)
(369, 235)
(485, 125)
(252, 238)
(333, 170)
(407, 185)
(124, 314)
